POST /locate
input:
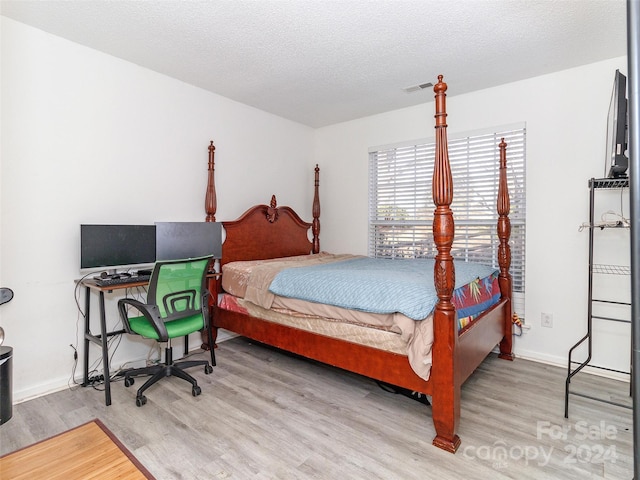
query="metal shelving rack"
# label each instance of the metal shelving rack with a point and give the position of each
(573, 366)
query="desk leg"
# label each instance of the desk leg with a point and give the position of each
(105, 351)
(87, 332)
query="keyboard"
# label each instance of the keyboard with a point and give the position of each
(121, 280)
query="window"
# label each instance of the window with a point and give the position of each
(401, 207)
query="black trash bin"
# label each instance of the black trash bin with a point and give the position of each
(6, 398)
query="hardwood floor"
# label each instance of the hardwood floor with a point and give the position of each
(264, 414)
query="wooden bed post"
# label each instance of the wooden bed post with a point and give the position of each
(315, 227)
(210, 207)
(210, 200)
(446, 388)
(504, 253)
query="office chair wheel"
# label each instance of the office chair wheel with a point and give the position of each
(128, 381)
(141, 400)
(208, 369)
(196, 390)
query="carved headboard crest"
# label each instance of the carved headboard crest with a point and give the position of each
(272, 210)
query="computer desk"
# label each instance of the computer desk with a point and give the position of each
(102, 338)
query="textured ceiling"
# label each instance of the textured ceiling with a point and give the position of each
(321, 62)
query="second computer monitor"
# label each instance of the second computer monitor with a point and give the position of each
(177, 240)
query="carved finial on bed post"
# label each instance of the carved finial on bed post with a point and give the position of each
(210, 201)
(504, 251)
(272, 210)
(315, 227)
(446, 404)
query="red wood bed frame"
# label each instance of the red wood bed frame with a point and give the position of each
(269, 231)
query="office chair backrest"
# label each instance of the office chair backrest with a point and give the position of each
(178, 287)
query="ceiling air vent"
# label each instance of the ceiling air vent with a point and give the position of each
(415, 88)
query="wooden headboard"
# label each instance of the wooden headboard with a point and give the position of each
(265, 231)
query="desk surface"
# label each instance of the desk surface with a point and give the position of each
(91, 283)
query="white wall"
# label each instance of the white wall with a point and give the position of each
(88, 138)
(565, 115)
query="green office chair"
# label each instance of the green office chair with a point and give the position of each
(177, 305)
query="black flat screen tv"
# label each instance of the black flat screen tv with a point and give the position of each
(617, 133)
(113, 246)
(180, 240)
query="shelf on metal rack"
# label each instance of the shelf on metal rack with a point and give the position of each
(609, 182)
(612, 269)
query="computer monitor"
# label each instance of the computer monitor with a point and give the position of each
(114, 246)
(617, 161)
(177, 240)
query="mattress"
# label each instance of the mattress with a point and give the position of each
(247, 286)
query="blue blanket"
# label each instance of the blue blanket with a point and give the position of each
(373, 285)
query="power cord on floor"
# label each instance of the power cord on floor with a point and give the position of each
(72, 381)
(419, 397)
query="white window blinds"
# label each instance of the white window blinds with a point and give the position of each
(401, 207)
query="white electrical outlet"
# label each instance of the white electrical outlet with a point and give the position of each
(546, 319)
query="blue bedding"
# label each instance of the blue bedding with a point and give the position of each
(373, 285)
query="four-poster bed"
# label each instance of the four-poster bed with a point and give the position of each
(270, 232)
